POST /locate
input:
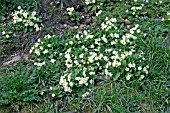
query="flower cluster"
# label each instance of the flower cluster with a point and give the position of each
(40, 49)
(85, 94)
(6, 35)
(107, 52)
(70, 10)
(135, 9)
(90, 1)
(96, 5)
(25, 20)
(99, 12)
(74, 16)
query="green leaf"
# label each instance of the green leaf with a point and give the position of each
(51, 56)
(117, 76)
(124, 63)
(137, 74)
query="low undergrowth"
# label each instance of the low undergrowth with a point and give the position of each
(120, 64)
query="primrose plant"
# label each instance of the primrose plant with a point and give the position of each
(5, 36)
(74, 16)
(26, 21)
(103, 52)
(95, 4)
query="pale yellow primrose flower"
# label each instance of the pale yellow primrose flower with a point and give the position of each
(53, 95)
(3, 32)
(52, 60)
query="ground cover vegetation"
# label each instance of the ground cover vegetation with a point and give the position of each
(85, 56)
